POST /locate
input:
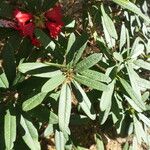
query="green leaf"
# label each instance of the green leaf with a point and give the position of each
(84, 102)
(48, 74)
(106, 97)
(53, 83)
(99, 142)
(71, 40)
(109, 24)
(79, 53)
(45, 39)
(118, 56)
(132, 7)
(132, 94)
(88, 62)
(143, 83)
(8, 56)
(133, 76)
(5, 9)
(76, 49)
(31, 135)
(25, 67)
(60, 140)
(49, 130)
(133, 104)
(10, 130)
(96, 75)
(53, 118)
(144, 119)
(137, 48)
(33, 101)
(109, 41)
(64, 109)
(92, 83)
(122, 36)
(3, 80)
(143, 64)
(139, 131)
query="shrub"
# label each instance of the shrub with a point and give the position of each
(55, 75)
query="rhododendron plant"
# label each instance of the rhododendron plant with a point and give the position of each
(74, 74)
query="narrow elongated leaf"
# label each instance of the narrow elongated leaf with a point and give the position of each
(24, 67)
(3, 80)
(143, 83)
(133, 76)
(53, 83)
(64, 109)
(143, 64)
(110, 41)
(96, 75)
(133, 104)
(139, 131)
(109, 24)
(45, 39)
(118, 56)
(53, 118)
(59, 140)
(88, 62)
(107, 97)
(145, 119)
(49, 130)
(92, 83)
(85, 102)
(122, 37)
(81, 49)
(33, 101)
(137, 48)
(132, 94)
(10, 130)
(99, 142)
(77, 49)
(132, 7)
(31, 135)
(70, 42)
(48, 74)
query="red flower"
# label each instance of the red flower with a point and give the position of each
(24, 24)
(55, 14)
(35, 42)
(54, 23)
(54, 29)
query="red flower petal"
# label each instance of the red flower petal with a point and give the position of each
(36, 42)
(22, 18)
(54, 29)
(55, 14)
(27, 30)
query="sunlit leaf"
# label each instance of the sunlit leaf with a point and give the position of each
(64, 110)
(31, 135)
(33, 101)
